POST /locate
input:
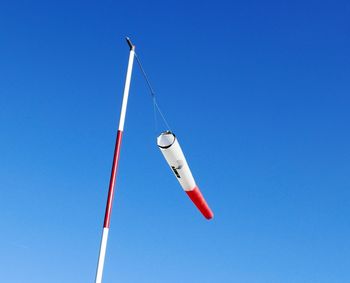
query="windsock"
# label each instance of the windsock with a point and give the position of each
(170, 148)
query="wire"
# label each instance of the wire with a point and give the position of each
(153, 95)
(161, 114)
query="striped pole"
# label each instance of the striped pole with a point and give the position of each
(107, 219)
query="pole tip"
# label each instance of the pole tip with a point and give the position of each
(132, 46)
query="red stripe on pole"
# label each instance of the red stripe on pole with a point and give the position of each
(198, 199)
(112, 180)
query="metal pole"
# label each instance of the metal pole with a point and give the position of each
(111, 189)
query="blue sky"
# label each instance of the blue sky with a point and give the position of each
(258, 94)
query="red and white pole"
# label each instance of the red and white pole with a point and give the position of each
(111, 189)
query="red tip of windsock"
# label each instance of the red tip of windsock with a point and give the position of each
(198, 199)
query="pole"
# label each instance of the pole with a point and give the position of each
(111, 189)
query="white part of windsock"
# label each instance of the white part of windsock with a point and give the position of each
(170, 148)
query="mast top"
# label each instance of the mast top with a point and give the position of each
(132, 46)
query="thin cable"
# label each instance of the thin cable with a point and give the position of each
(155, 115)
(145, 76)
(161, 114)
(153, 94)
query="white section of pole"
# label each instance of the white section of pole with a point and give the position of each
(101, 258)
(126, 89)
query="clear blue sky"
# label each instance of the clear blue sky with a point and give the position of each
(258, 94)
